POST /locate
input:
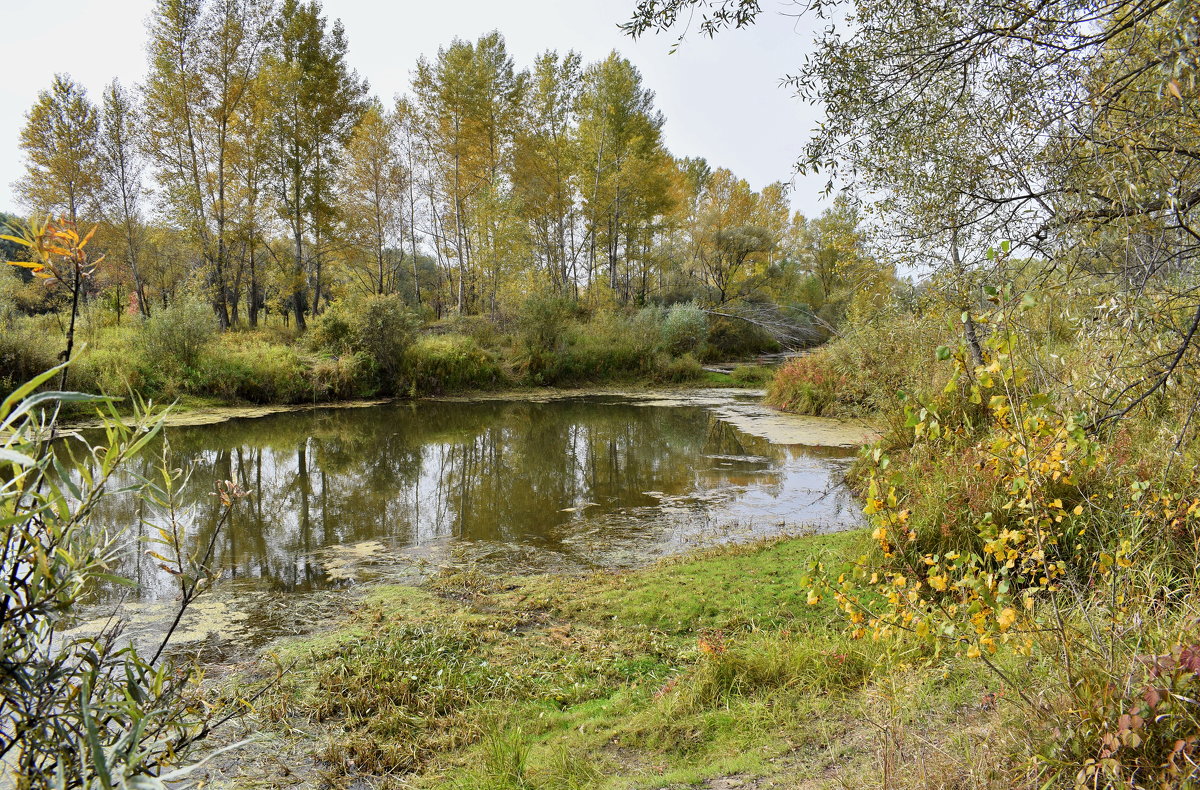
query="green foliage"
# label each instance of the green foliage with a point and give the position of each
(27, 347)
(115, 364)
(684, 329)
(728, 671)
(399, 694)
(384, 327)
(84, 711)
(609, 348)
(678, 370)
(342, 377)
(381, 328)
(542, 324)
(437, 364)
(175, 337)
(752, 375)
(731, 338)
(254, 371)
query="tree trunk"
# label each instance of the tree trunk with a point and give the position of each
(252, 308)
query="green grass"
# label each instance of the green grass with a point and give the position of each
(703, 666)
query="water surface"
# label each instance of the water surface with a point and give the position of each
(337, 495)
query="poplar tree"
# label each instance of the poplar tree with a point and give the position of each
(624, 179)
(62, 169)
(318, 100)
(123, 190)
(546, 168)
(373, 190)
(203, 59)
(469, 99)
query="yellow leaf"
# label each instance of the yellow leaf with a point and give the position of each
(17, 240)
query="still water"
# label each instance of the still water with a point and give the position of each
(338, 495)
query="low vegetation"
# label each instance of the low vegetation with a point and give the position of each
(368, 348)
(709, 665)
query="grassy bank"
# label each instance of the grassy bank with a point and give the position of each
(374, 347)
(705, 667)
(1065, 533)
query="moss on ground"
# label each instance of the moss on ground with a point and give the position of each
(706, 666)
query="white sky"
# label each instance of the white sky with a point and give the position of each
(721, 97)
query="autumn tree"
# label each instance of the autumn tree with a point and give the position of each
(123, 190)
(204, 55)
(624, 178)
(727, 239)
(251, 188)
(318, 100)
(1063, 130)
(469, 99)
(62, 166)
(546, 169)
(372, 197)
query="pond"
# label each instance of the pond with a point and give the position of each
(338, 495)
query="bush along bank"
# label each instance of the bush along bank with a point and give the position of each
(376, 346)
(1018, 525)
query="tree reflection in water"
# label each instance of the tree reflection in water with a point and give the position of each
(535, 476)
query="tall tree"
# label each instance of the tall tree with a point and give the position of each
(318, 100)
(203, 58)
(123, 190)
(546, 168)
(728, 236)
(62, 169)
(372, 193)
(470, 101)
(251, 157)
(620, 135)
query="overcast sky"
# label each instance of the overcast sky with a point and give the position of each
(722, 97)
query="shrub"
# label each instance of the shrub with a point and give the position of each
(677, 370)
(346, 376)
(541, 329)
(482, 329)
(88, 710)
(333, 331)
(179, 334)
(805, 385)
(113, 366)
(612, 347)
(445, 363)
(731, 338)
(684, 329)
(648, 323)
(27, 347)
(751, 375)
(253, 371)
(384, 329)
(379, 327)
